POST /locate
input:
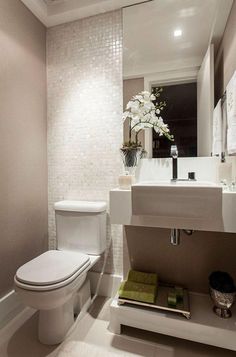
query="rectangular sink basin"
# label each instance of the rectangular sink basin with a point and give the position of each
(180, 199)
(182, 183)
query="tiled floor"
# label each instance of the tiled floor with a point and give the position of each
(90, 337)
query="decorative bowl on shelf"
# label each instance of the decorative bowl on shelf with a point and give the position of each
(222, 292)
(223, 302)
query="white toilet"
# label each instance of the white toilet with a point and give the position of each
(51, 282)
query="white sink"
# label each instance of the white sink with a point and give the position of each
(185, 199)
(182, 183)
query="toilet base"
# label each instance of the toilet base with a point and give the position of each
(55, 324)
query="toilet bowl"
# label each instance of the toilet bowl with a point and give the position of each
(52, 291)
(50, 282)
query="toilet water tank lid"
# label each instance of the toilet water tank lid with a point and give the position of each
(52, 267)
(81, 206)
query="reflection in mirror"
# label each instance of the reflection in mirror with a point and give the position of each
(170, 44)
(180, 113)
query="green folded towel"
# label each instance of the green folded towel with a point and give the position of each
(172, 299)
(144, 278)
(179, 293)
(137, 291)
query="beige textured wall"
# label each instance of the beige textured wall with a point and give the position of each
(226, 57)
(23, 169)
(189, 264)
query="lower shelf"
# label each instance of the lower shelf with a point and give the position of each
(161, 303)
(204, 326)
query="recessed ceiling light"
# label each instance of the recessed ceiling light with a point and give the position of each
(177, 33)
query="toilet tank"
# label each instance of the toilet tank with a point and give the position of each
(81, 226)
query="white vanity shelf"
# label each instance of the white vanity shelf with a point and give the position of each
(121, 213)
(203, 327)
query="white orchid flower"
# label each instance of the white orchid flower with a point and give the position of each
(143, 113)
(145, 93)
(148, 125)
(138, 97)
(125, 115)
(129, 104)
(148, 106)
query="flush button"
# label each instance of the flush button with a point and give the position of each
(191, 176)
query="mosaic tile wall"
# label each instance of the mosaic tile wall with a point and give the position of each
(85, 116)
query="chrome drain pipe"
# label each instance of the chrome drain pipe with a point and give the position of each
(175, 236)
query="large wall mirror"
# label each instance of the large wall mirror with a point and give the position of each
(171, 44)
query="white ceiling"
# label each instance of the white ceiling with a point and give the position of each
(149, 42)
(55, 12)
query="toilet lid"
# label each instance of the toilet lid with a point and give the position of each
(51, 267)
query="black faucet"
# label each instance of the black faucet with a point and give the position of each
(174, 154)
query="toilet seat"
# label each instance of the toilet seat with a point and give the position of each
(51, 270)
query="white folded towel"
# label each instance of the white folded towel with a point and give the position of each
(231, 96)
(217, 136)
(231, 115)
(224, 124)
(231, 140)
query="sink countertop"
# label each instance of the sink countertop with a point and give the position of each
(121, 213)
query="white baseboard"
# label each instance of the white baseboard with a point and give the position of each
(10, 306)
(108, 286)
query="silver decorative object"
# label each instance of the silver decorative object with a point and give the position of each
(130, 157)
(223, 302)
